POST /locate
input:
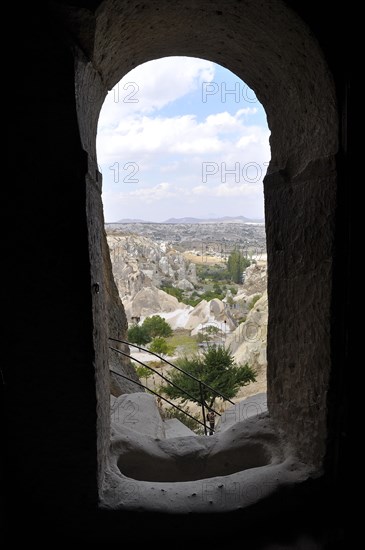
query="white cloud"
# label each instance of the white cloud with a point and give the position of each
(222, 121)
(153, 85)
(227, 190)
(150, 194)
(246, 140)
(196, 145)
(247, 111)
(165, 155)
(161, 191)
(200, 190)
(178, 134)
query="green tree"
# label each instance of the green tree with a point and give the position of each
(173, 291)
(156, 326)
(159, 345)
(217, 289)
(233, 289)
(207, 333)
(217, 368)
(211, 329)
(230, 301)
(138, 335)
(254, 300)
(143, 372)
(236, 264)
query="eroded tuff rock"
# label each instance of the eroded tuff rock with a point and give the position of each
(255, 279)
(138, 263)
(117, 328)
(221, 472)
(248, 341)
(151, 301)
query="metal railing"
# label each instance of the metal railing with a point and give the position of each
(160, 396)
(202, 384)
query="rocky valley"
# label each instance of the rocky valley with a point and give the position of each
(205, 238)
(166, 269)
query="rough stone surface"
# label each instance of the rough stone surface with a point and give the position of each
(138, 412)
(151, 301)
(98, 292)
(251, 406)
(299, 289)
(175, 428)
(184, 284)
(294, 99)
(204, 471)
(117, 328)
(296, 95)
(276, 55)
(138, 263)
(108, 306)
(255, 279)
(248, 341)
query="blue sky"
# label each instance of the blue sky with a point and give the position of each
(181, 137)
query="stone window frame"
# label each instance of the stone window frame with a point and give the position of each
(273, 51)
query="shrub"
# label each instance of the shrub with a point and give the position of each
(253, 301)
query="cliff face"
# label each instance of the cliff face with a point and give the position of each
(138, 262)
(117, 327)
(248, 341)
(255, 279)
(151, 301)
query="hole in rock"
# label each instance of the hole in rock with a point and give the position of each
(138, 464)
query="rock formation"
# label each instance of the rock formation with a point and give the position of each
(139, 263)
(137, 411)
(147, 470)
(151, 301)
(248, 341)
(255, 278)
(117, 328)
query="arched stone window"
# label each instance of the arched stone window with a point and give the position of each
(271, 49)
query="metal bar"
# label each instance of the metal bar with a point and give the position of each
(175, 367)
(159, 374)
(158, 395)
(203, 408)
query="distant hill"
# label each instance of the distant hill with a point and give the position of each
(188, 220)
(224, 219)
(131, 220)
